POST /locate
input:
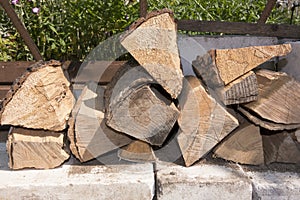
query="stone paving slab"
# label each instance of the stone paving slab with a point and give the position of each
(135, 181)
(201, 182)
(275, 185)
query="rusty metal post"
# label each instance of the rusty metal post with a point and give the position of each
(21, 29)
(143, 8)
(267, 11)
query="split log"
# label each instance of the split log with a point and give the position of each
(278, 99)
(244, 146)
(152, 41)
(36, 149)
(40, 99)
(265, 123)
(145, 115)
(222, 66)
(137, 151)
(241, 90)
(129, 77)
(203, 121)
(280, 147)
(88, 134)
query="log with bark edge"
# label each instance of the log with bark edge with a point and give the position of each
(254, 118)
(88, 134)
(221, 66)
(129, 94)
(152, 41)
(280, 147)
(278, 99)
(145, 115)
(203, 121)
(241, 90)
(244, 145)
(137, 151)
(40, 149)
(39, 99)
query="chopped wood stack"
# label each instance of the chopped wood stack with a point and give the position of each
(239, 113)
(38, 107)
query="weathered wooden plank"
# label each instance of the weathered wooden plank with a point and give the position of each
(36, 149)
(137, 151)
(10, 71)
(40, 99)
(244, 145)
(203, 121)
(3, 91)
(269, 30)
(97, 71)
(88, 134)
(278, 99)
(152, 41)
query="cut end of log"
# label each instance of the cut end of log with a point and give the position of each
(35, 149)
(137, 151)
(88, 134)
(203, 121)
(233, 63)
(40, 99)
(153, 43)
(243, 146)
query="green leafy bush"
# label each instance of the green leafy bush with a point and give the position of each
(70, 29)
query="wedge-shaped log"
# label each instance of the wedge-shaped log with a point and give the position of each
(37, 149)
(253, 117)
(222, 66)
(88, 134)
(145, 115)
(203, 121)
(244, 145)
(137, 151)
(152, 41)
(40, 99)
(279, 98)
(280, 147)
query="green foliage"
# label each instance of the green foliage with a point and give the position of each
(70, 29)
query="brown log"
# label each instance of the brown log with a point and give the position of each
(39, 99)
(265, 123)
(137, 151)
(203, 121)
(280, 147)
(88, 134)
(145, 115)
(152, 41)
(221, 66)
(241, 90)
(244, 145)
(278, 99)
(38, 149)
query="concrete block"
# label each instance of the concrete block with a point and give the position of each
(135, 181)
(275, 185)
(201, 182)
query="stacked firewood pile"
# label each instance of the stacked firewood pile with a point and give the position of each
(232, 107)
